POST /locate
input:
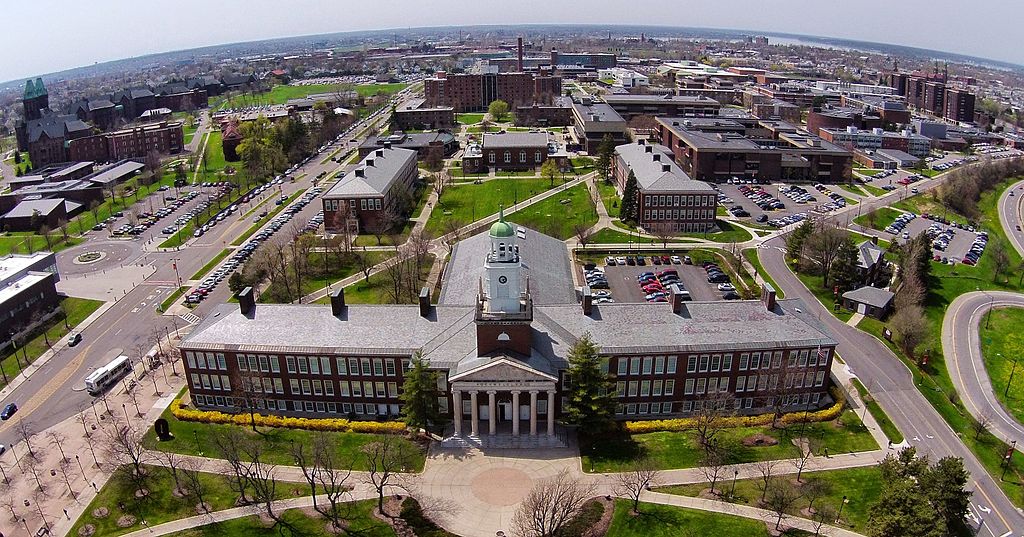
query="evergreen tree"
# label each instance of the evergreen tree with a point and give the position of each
(795, 241)
(605, 154)
(419, 395)
(901, 510)
(590, 404)
(845, 273)
(628, 210)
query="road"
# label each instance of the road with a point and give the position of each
(55, 391)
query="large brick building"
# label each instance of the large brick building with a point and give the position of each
(512, 151)
(629, 106)
(472, 92)
(28, 292)
(592, 121)
(368, 198)
(166, 138)
(666, 196)
(413, 115)
(499, 338)
(774, 151)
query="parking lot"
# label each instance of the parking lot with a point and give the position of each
(623, 285)
(734, 197)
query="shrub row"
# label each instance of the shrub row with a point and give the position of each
(760, 420)
(313, 424)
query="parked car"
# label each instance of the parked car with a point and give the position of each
(74, 338)
(8, 411)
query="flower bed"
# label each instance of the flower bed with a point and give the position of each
(313, 424)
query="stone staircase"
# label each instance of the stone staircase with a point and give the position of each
(506, 441)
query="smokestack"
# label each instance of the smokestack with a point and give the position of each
(588, 301)
(338, 301)
(425, 302)
(246, 301)
(519, 63)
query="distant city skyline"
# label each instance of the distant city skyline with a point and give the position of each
(62, 34)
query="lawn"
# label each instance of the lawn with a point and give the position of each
(852, 189)
(860, 486)
(826, 296)
(172, 297)
(76, 309)
(888, 427)
(926, 203)
(360, 521)
(873, 189)
(1001, 347)
(469, 119)
(928, 172)
(610, 197)
(270, 215)
(375, 291)
(209, 265)
(933, 380)
(466, 203)
(194, 438)
(657, 520)
(559, 215)
(611, 236)
(161, 505)
(668, 450)
(869, 172)
(282, 93)
(321, 269)
(750, 254)
(879, 219)
(26, 242)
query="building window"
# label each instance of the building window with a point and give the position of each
(727, 362)
(741, 383)
(691, 364)
(290, 363)
(342, 366)
(522, 157)
(365, 366)
(490, 157)
(378, 367)
(704, 358)
(303, 365)
(670, 387)
(659, 365)
(537, 157)
(314, 365)
(645, 388)
(620, 388)
(648, 362)
(390, 367)
(622, 364)
(293, 386)
(634, 365)
(508, 157)
(671, 365)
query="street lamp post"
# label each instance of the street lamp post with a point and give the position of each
(735, 474)
(1006, 392)
(841, 505)
(80, 467)
(125, 408)
(4, 472)
(195, 434)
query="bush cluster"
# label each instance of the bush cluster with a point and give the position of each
(312, 424)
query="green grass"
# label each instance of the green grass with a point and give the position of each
(750, 254)
(883, 216)
(869, 172)
(162, 505)
(888, 427)
(27, 242)
(282, 93)
(610, 198)
(559, 215)
(657, 520)
(209, 265)
(928, 172)
(1000, 347)
(176, 294)
(477, 129)
(861, 486)
(826, 296)
(852, 189)
(611, 236)
(668, 450)
(270, 215)
(375, 291)
(76, 309)
(728, 233)
(874, 190)
(469, 119)
(468, 202)
(358, 517)
(933, 379)
(347, 446)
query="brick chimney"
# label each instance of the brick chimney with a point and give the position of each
(677, 300)
(338, 301)
(369, 162)
(247, 301)
(519, 62)
(587, 301)
(425, 307)
(360, 172)
(380, 152)
(768, 296)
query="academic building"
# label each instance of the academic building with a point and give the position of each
(499, 337)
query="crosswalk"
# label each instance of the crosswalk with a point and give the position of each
(190, 318)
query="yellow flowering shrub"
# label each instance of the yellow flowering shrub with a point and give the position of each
(312, 424)
(759, 420)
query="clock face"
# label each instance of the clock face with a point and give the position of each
(502, 279)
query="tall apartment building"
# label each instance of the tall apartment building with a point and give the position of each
(472, 92)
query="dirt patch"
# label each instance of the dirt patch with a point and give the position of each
(141, 493)
(393, 506)
(708, 494)
(86, 530)
(179, 492)
(600, 528)
(760, 440)
(100, 512)
(126, 521)
(202, 508)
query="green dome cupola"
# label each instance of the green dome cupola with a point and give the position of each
(501, 228)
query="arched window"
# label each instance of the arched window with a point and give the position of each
(508, 156)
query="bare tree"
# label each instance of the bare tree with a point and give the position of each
(1000, 259)
(806, 448)
(781, 497)
(641, 476)
(821, 249)
(550, 505)
(229, 445)
(910, 327)
(981, 424)
(123, 445)
(710, 416)
(822, 516)
(440, 183)
(8, 504)
(307, 460)
(173, 463)
(27, 434)
(44, 230)
(663, 232)
(583, 233)
(451, 233)
(712, 464)
(94, 208)
(385, 458)
(332, 478)
(261, 478)
(365, 263)
(194, 482)
(815, 489)
(767, 470)
(62, 225)
(55, 438)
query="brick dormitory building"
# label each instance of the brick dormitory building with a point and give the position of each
(499, 337)
(367, 197)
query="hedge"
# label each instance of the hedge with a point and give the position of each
(760, 420)
(313, 424)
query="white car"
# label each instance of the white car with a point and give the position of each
(726, 287)
(621, 260)
(602, 294)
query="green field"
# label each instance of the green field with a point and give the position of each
(323, 268)
(559, 215)
(193, 438)
(657, 520)
(282, 93)
(879, 219)
(25, 242)
(176, 294)
(888, 427)
(76, 309)
(610, 197)
(162, 505)
(874, 190)
(669, 450)
(375, 291)
(750, 254)
(1001, 346)
(860, 486)
(300, 522)
(469, 119)
(467, 203)
(826, 296)
(852, 189)
(210, 264)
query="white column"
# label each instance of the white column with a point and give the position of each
(457, 411)
(492, 411)
(533, 412)
(551, 412)
(515, 413)
(475, 413)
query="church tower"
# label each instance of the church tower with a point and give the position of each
(504, 310)
(35, 99)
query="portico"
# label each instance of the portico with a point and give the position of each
(503, 390)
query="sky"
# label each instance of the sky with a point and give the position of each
(44, 36)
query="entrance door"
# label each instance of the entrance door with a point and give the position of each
(506, 411)
(862, 309)
(485, 412)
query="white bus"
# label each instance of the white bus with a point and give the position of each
(104, 376)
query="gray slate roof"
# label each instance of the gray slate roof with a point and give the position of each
(872, 296)
(27, 207)
(545, 262)
(115, 173)
(515, 139)
(651, 175)
(54, 126)
(376, 179)
(869, 254)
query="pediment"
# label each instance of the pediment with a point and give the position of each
(503, 370)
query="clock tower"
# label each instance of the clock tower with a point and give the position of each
(504, 310)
